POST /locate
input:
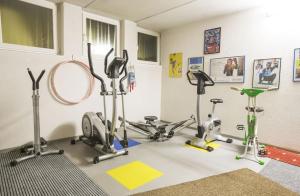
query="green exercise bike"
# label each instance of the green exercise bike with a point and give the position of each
(251, 138)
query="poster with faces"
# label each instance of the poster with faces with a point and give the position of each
(266, 73)
(228, 69)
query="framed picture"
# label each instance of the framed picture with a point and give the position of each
(212, 41)
(228, 69)
(196, 63)
(175, 65)
(266, 73)
(296, 67)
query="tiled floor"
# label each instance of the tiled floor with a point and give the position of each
(177, 162)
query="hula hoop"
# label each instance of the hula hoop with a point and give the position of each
(52, 87)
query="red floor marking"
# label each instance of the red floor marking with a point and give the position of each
(283, 155)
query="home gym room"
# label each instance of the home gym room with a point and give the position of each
(140, 97)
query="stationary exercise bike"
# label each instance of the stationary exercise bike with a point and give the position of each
(156, 130)
(213, 125)
(36, 148)
(98, 132)
(251, 138)
(209, 130)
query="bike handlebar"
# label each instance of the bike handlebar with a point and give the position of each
(235, 89)
(205, 76)
(270, 89)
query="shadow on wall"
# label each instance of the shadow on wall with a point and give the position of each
(63, 131)
(15, 119)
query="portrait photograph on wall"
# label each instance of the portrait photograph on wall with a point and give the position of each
(212, 41)
(196, 63)
(296, 74)
(228, 69)
(266, 73)
(175, 65)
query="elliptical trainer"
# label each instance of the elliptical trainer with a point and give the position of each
(98, 132)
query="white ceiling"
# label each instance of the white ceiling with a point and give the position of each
(163, 14)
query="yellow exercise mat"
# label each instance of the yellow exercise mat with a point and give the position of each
(211, 144)
(134, 174)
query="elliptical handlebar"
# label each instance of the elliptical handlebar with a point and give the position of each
(125, 56)
(204, 76)
(35, 84)
(124, 69)
(105, 60)
(106, 68)
(103, 86)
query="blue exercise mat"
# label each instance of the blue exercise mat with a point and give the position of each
(131, 143)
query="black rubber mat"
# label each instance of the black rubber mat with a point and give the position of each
(48, 175)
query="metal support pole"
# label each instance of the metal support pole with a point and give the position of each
(123, 121)
(213, 110)
(198, 110)
(114, 109)
(105, 121)
(36, 121)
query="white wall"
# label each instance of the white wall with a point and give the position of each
(146, 99)
(60, 121)
(256, 36)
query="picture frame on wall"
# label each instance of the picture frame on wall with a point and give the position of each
(296, 66)
(228, 69)
(175, 65)
(196, 63)
(212, 41)
(266, 73)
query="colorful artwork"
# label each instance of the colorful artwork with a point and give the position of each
(266, 73)
(196, 63)
(131, 80)
(175, 65)
(212, 41)
(296, 74)
(228, 69)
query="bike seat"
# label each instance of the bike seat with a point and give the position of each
(257, 109)
(150, 118)
(215, 100)
(240, 127)
(217, 123)
(162, 126)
